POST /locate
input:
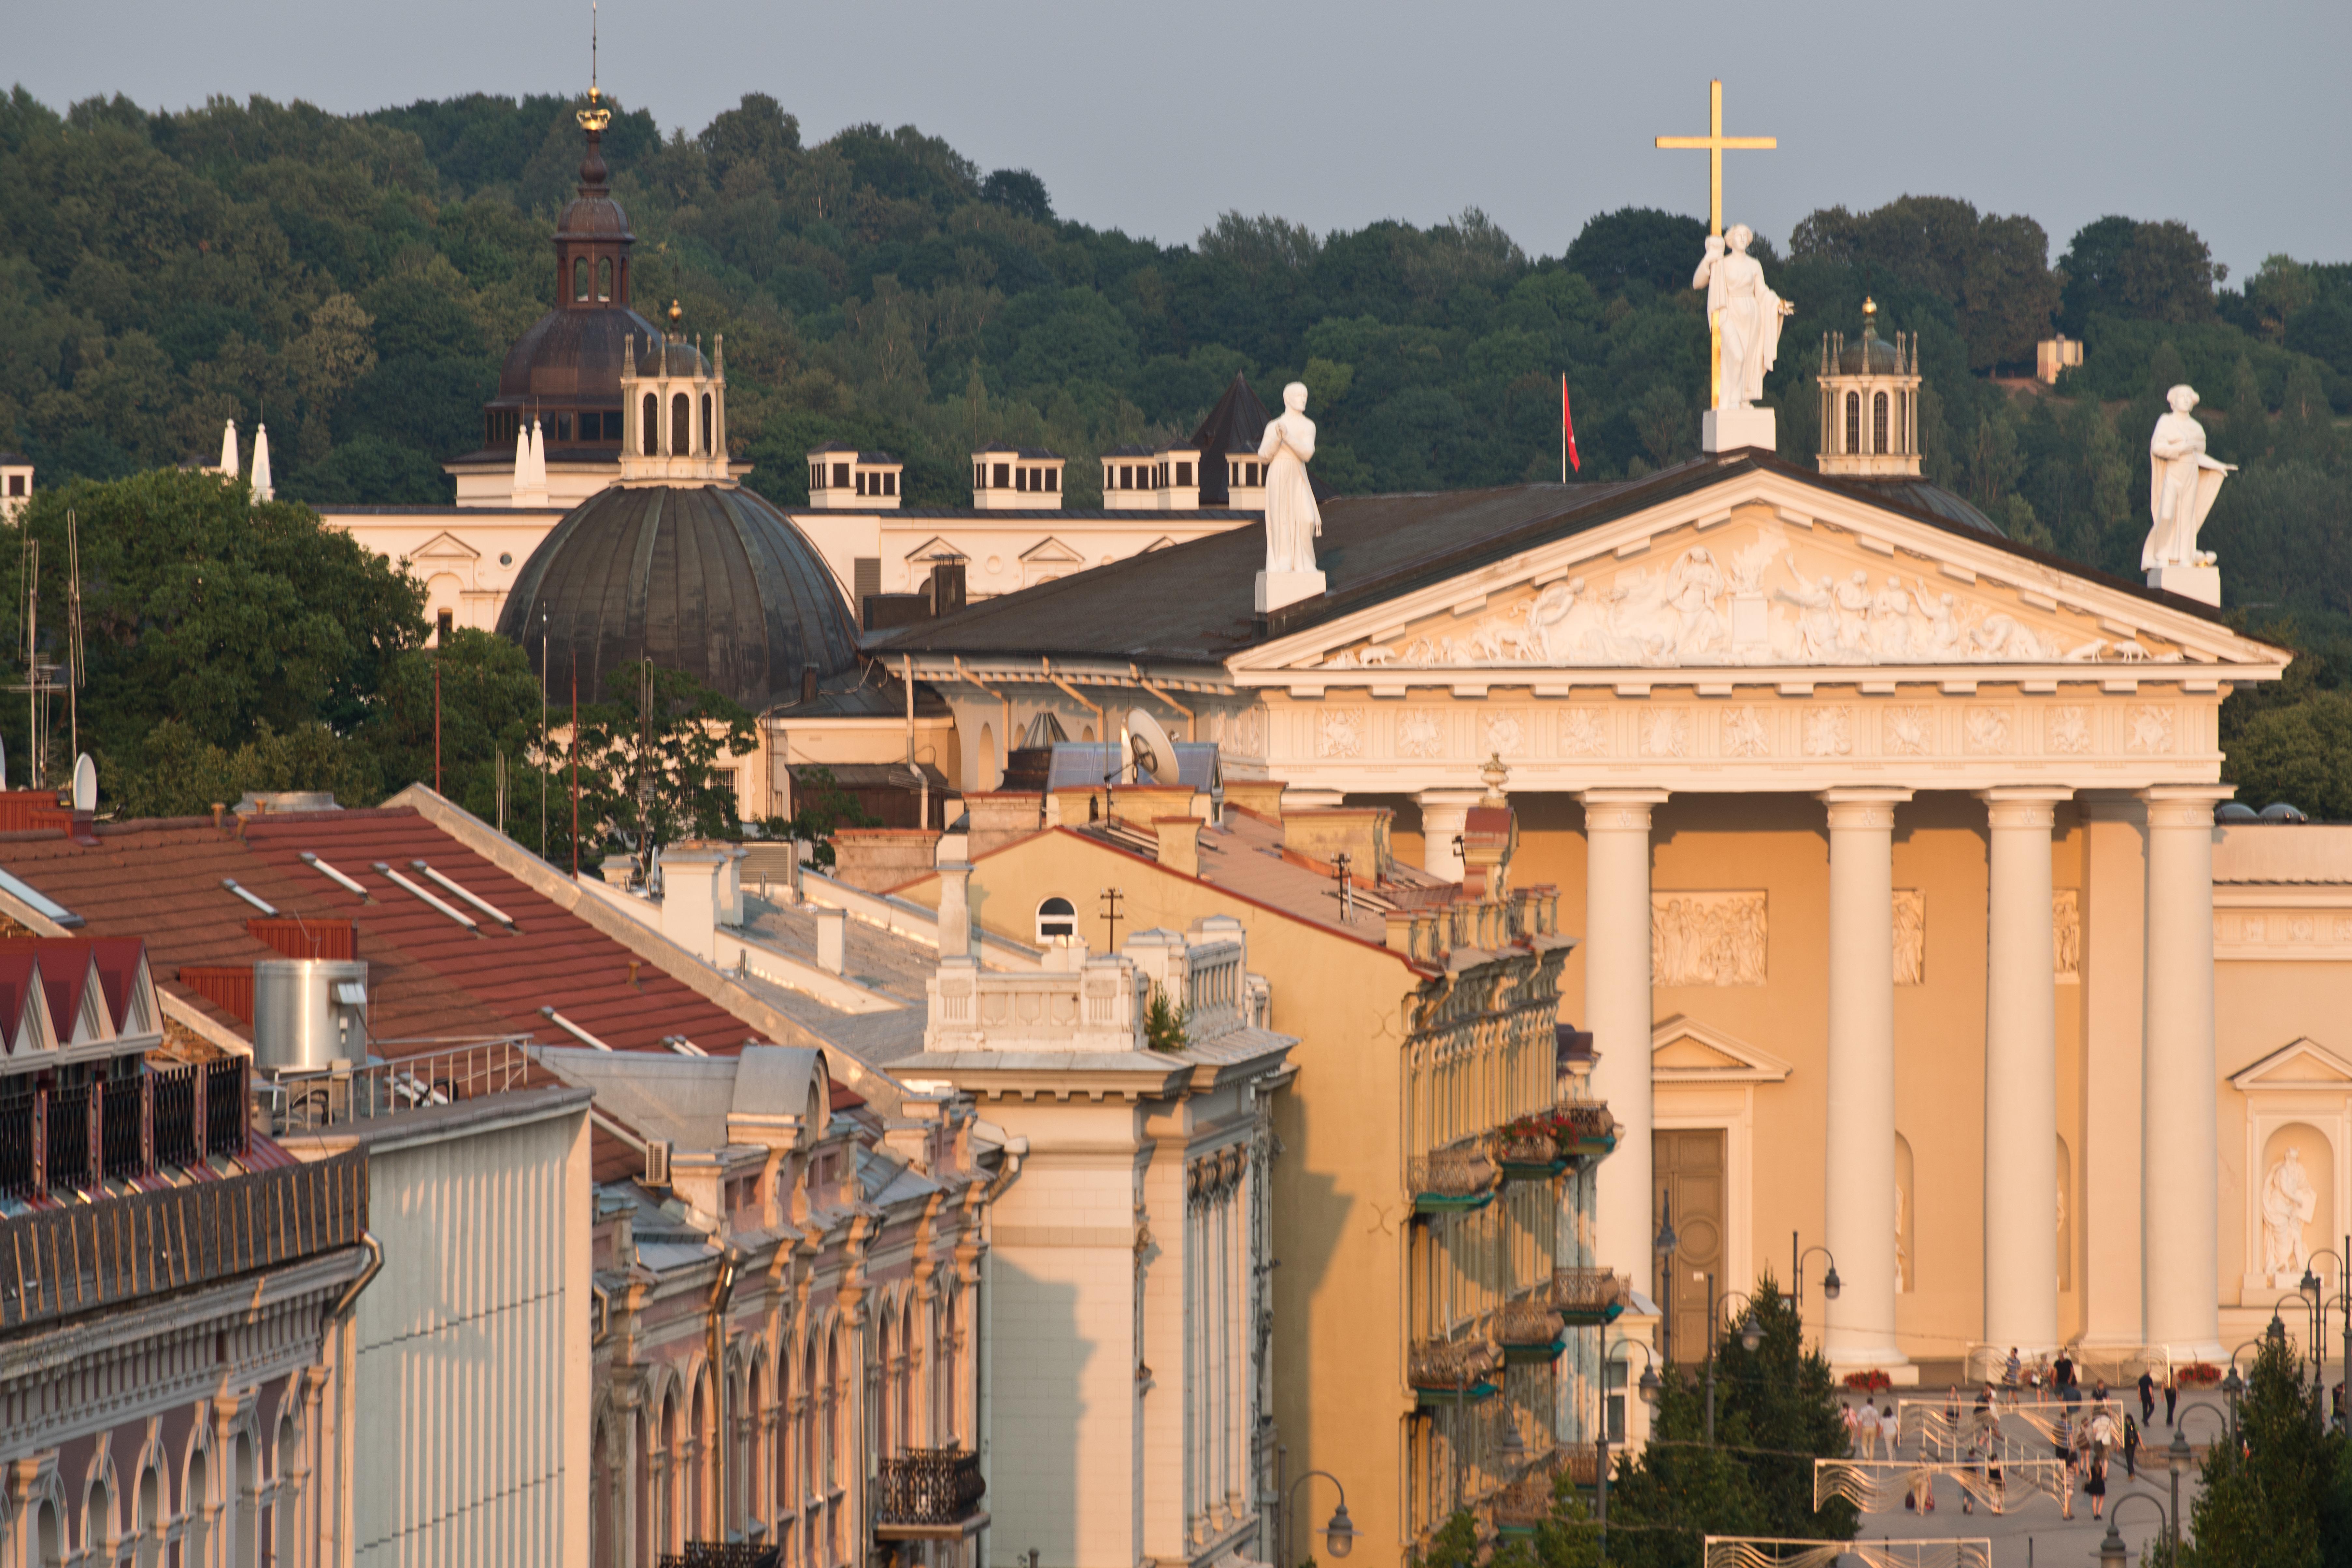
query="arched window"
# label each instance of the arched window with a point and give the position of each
(910, 1372)
(286, 1512)
(1903, 421)
(652, 426)
(1854, 421)
(246, 1547)
(151, 1519)
(705, 447)
(681, 425)
(605, 278)
(888, 1435)
(666, 1476)
(580, 277)
(750, 1501)
(1878, 423)
(196, 1536)
(1057, 922)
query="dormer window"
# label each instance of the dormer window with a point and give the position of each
(1057, 922)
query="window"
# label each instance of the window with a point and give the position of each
(1003, 476)
(681, 425)
(861, 481)
(706, 424)
(979, 476)
(16, 484)
(605, 278)
(443, 621)
(1878, 423)
(1183, 474)
(1053, 479)
(889, 484)
(1854, 421)
(563, 426)
(1126, 476)
(841, 475)
(650, 418)
(506, 558)
(1021, 478)
(580, 277)
(1057, 922)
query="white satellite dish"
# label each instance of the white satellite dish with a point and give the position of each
(1149, 747)
(85, 784)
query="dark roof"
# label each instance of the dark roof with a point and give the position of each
(844, 448)
(1191, 602)
(1031, 454)
(1915, 494)
(1237, 424)
(572, 357)
(16, 460)
(709, 579)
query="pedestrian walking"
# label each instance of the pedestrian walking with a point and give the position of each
(2171, 1393)
(2010, 1370)
(1865, 1421)
(2147, 1397)
(1951, 1419)
(2096, 1486)
(2061, 1439)
(2131, 1447)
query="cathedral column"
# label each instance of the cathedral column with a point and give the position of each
(2021, 1103)
(2179, 1201)
(2110, 970)
(1444, 813)
(1617, 1009)
(1859, 1161)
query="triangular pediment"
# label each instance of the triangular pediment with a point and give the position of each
(2301, 1063)
(1761, 571)
(1683, 1050)
(1051, 550)
(446, 546)
(931, 547)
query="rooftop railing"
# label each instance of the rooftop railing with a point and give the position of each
(309, 1101)
(77, 1136)
(57, 1264)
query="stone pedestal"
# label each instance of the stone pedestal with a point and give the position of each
(2202, 583)
(1729, 429)
(1277, 589)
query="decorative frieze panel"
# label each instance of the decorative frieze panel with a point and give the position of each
(1706, 939)
(1664, 731)
(1506, 731)
(2066, 934)
(1584, 732)
(1910, 936)
(2289, 934)
(1339, 732)
(1420, 732)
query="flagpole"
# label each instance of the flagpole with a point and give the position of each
(1563, 426)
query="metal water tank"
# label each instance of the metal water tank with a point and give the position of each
(307, 1012)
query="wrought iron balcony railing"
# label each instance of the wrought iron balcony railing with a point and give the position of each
(1453, 1366)
(1454, 1176)
(1527, 1323)
(77, 1136)
(927, 1489)
(1588, 1296)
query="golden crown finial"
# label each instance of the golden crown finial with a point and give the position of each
(1869, 306)
(676, 315)
(595, 117)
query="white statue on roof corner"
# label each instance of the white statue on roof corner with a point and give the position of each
(1292, 518)
(1746, 316)
(2181, 484)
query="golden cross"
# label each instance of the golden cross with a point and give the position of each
(1715, 144)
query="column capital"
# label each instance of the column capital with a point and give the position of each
(2184, 806)
(1622, 810)
(2023, 805)
(1863, 808)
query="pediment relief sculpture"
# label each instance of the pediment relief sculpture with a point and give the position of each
(1764, 598)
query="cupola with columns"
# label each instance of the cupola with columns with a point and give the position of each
(674, 410)
(1870, 403)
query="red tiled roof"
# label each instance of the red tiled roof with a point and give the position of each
(428, 978)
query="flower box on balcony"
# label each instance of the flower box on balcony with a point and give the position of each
(1532, 1155)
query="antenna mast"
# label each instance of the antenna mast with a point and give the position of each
(75, 665)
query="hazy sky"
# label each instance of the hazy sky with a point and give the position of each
(1154, 119)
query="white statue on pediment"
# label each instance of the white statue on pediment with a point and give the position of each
(2181, 484)
(1293, 521)
(1746, 315)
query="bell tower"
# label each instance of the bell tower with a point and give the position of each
(592, 240)
(1870, 403)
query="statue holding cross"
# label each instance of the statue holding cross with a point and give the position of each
(1737, 299)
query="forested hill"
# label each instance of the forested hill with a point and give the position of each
(356, 281)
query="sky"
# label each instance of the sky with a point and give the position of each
(1154, 119)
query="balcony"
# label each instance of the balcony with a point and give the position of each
(724, 1555)
(1525, 1505)
(1580, 1462)
(927, 1494)
(1528, 1154)
(1587, 1129)
(61, 1263)
(1588, 1298)
(1462, 1177)
(1443, 1371)
(1529, 1330)
(77, 1135)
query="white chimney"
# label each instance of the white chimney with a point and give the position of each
(263, 490)
(831, 939)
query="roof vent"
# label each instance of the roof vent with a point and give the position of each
(307, 1012)
(657, 1162)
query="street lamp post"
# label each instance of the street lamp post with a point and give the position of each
(1649, 1386)
(2233, 1385)
(2112, 1551)
(1663, 1246)
(1752, 1334)
(1339, 1535)
(2312, 1287)
(1831, 1283)
(2177, 1457)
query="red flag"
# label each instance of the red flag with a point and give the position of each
(1568, 427)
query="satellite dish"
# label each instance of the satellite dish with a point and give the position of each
(1148, 745)
(85, 784)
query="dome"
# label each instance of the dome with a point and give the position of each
(1872, 355)
(709, 579)
(571, 356)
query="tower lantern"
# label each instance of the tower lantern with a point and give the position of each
(1870, 403)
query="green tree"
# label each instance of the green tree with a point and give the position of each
(2277, 1497)
(649, 761)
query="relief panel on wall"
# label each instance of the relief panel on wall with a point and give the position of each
(1706, 939)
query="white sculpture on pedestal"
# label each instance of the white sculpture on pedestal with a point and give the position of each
(2289, 1200)
(1292, 518)
(2181, 484)
(1746, 316)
